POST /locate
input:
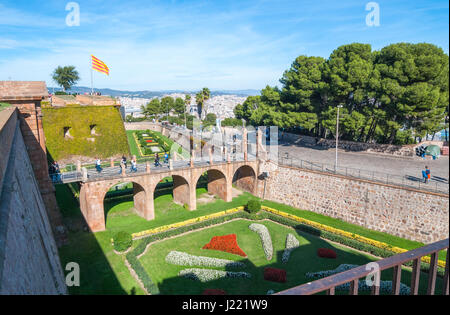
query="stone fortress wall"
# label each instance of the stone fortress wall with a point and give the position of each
(29, 261)
(408, 213)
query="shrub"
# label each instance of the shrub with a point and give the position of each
(291, 243)
(205, 275)
(185, 259)
(122, 241)
(227, 243)
(214, 292)
(253, 206)
(274, 274)
(266, 240)
(326, 253)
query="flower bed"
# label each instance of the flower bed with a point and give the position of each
(274, 274)
(227, 243)
(326, 253)
(214, 292)
(266, 240)
(205, 275)
(385, 286)
(185, 259)
(291, 244)
(362, 239)
(184, 223)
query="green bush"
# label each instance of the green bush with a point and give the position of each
(122, 241)
(253, 206)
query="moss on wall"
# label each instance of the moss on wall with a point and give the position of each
(110, 136)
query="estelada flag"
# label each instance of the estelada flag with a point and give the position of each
(99, 65)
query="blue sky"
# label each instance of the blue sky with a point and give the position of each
(190, 44)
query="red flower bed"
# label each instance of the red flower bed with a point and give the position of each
(214, 292)
(149, 141)
(274, 274)
(326, 253)
(227, 243)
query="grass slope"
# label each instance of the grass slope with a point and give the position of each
(110, 137)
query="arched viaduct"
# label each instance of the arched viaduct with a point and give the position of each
(220, 179)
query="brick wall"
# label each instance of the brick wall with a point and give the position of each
(29, 262)
(406, 213)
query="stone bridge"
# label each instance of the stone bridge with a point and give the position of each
(221, 176)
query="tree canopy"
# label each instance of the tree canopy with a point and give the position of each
(394, 95)
(65, 77)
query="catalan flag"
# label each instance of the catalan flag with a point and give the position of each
(99, 65)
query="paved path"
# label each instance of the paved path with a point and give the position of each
(409, 168)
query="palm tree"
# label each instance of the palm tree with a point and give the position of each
(201, 99)
(187, 101)
(66, 77)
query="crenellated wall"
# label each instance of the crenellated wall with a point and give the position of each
(29, 261)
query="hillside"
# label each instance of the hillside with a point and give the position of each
(90, 131)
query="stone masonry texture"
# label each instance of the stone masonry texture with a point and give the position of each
(407, 213)
(29, 262)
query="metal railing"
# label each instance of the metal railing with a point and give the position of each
(354, 275)
(436, 184)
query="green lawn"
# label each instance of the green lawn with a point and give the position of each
(349, 227)
(302, 260)
(120, 217)
(4, 105)
(104, 272)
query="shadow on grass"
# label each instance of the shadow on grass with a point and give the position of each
(86, 249)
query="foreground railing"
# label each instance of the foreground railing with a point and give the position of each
(436, 184)
(352, 276)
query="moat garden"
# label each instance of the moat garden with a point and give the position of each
(221, 248)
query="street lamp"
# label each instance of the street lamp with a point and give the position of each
(337, 135)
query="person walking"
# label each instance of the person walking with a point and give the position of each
(428, 174)
(122, 165)
(98, 166)
(157, 160)
(166, 158)
(57, 171)
(133, 166)
(124, 159)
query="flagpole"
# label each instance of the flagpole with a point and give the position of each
(92, 80)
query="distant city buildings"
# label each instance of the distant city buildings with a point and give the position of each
(221, 105)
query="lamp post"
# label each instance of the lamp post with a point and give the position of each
(337, 135)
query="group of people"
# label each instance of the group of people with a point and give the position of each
(124, 163)
(166, 159)
(54, 171)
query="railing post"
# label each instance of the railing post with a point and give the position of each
(354, 287)
(432, 274)
(78, 166)
(415, 277)
(445, 285)
(112, 162)
(123, 170)
(192, 158)
(396, 280)
(85, 174)
(147, 167)
(171, 164)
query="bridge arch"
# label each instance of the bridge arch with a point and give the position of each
(180, 188)
(245, 178)
(219, 183)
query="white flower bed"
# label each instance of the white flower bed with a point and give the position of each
(205, 275)
(185, 259)
(385, 286)
(266, 240)
(291, 244)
